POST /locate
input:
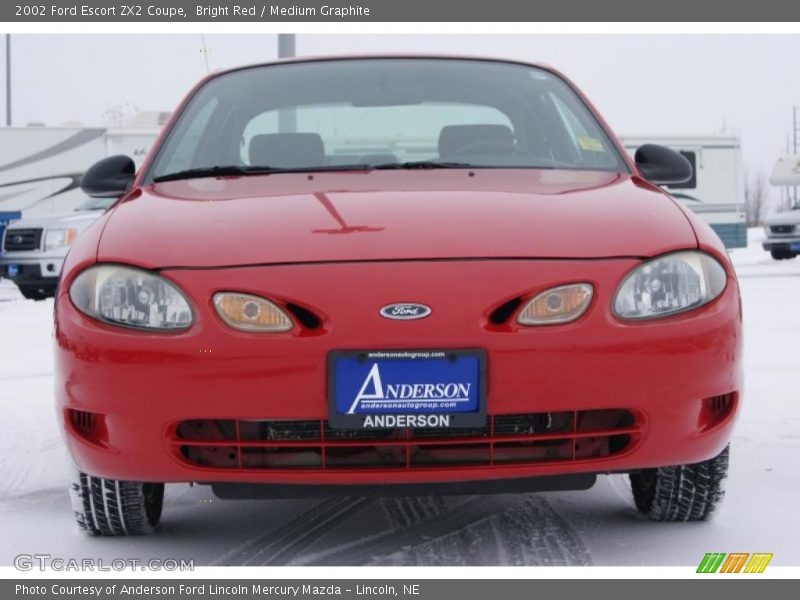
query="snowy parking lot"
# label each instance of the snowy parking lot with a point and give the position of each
(597, 527)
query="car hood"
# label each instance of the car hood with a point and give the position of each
(388, 215)
(74, 218)
(788, 217)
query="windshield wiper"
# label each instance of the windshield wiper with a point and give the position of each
(240, 170)
(423, 164)
(217, 171)
(234, 170)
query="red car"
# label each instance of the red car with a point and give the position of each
(394, 275)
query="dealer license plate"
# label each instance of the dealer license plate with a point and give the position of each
(387, 389)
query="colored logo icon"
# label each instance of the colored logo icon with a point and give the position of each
(735, 562)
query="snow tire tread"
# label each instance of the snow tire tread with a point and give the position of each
(107, 507)
(681, 493)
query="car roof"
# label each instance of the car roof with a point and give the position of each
(379, 56)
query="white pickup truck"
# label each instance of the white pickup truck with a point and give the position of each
(783, 234)
(33, 249)
(783, 229)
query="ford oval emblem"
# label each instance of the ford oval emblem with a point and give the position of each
(405, 311)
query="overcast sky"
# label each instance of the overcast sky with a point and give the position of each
(641, 84)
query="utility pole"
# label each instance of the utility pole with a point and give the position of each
(286, 45)
(786, 192)
(287, 118)
(8, 80)
(794, 150)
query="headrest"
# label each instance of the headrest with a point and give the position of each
(453, 138)
(287, 150)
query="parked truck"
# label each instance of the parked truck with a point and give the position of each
(782, 229)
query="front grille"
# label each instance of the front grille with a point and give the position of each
(22, 239)
(311, 444)
(782, 229)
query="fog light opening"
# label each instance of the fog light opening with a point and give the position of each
(88, 426)
(717, 409)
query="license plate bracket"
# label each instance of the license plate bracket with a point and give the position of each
(388, 389)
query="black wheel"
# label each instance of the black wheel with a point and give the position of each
(781, 254)
(111, 507)
(682, 493)
(34, 292)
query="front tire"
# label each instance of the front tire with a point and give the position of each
(782, 254)
(682, 493)
(33, 292)
(114, 508)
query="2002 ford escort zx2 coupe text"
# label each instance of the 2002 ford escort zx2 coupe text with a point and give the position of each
(399, 275)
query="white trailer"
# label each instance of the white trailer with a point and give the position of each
(41, 167)
(786, 172)
(716, 192)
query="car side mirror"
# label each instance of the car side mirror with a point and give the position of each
(109, 178)
(662, 165)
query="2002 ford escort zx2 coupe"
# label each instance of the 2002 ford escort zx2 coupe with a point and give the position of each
(394, 275)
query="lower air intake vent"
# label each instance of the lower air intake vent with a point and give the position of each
(311, 444)
(90, 426)
(718, 408)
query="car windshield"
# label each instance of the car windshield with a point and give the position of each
(383, 113)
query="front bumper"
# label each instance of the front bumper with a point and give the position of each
(782, 243)
(31, 271)
(141, 386)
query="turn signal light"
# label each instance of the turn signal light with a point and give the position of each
(246, 312)
(557, 305)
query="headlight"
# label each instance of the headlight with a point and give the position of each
(59, 238)
(130, 297)
(668, 285)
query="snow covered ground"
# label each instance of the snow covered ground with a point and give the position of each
(598, 527)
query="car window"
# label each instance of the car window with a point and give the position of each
(181, 149)
(378, 111)
(351, 133)
(591, 148)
